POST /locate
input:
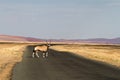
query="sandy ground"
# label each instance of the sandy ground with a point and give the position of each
(10, 54)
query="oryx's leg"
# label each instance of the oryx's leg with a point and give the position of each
(33, 54)
(37, 54)
(43, 55)
(46, 54)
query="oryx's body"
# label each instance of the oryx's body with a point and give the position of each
(43, 49)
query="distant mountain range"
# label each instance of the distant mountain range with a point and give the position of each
(9, 38)
(101, 40)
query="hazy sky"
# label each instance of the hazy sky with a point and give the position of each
(60, 19)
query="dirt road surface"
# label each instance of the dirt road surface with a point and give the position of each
(62, 66)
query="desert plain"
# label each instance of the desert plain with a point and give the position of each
(11, 53)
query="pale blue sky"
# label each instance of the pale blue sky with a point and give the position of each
(60, 19)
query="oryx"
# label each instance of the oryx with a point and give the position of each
(41, 48)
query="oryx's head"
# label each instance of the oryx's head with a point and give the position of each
(48, 43)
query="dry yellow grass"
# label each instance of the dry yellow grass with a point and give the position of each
(10, 54)
(106, 53)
